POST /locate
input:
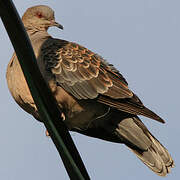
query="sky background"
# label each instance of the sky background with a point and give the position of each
(141, 38)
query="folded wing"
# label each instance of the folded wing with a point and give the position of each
(86, 75)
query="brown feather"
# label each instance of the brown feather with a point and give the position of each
(73, 64)
(128, 106)
(87, 75)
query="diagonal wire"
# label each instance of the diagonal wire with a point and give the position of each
(45, 102)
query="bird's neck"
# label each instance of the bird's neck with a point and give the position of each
(37, 38)
(34, 31)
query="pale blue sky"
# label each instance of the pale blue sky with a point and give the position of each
(141, 38)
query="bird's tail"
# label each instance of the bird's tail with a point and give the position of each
(147, 148)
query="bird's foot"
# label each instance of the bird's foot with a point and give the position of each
(47, 133)
(63, 117)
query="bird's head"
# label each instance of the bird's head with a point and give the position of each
(40, 18)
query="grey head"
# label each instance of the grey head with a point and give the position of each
(39, 18)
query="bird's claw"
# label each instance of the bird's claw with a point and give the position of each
(63, 117)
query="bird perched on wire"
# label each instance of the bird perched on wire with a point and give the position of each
(93, 95)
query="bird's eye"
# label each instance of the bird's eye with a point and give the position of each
(39, 15)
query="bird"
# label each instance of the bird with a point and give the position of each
(94, 96)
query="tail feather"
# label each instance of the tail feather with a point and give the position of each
(156, 158)
(147, 148)
(130, 130)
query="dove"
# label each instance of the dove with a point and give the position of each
(94, 96)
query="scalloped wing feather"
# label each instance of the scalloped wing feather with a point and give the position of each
(83, 73)
(86, 75)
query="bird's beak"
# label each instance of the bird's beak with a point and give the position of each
(53, 23)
